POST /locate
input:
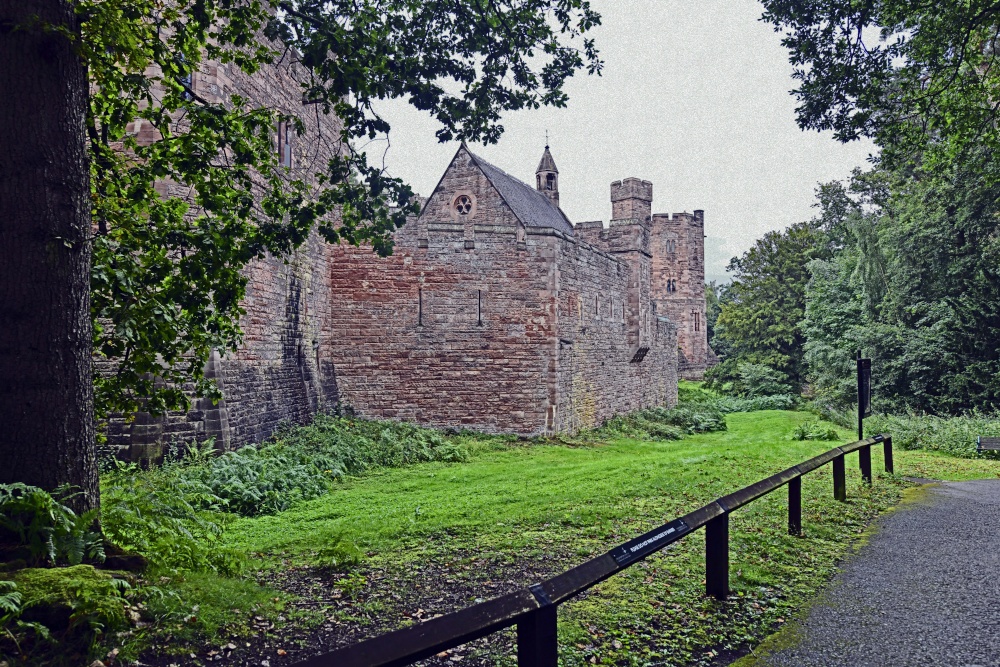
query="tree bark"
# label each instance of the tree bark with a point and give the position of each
(46, 390)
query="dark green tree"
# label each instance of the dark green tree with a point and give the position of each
(918, 78)
(761, 312)
(914, 287)
(921, 79)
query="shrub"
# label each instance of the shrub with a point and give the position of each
(38, 529)
(167, 517)
(831, 412)
(667, 423)
(303, 462)
(955, 435)
(814, 430)
(757, 380)
(338, 555)
(727, 404)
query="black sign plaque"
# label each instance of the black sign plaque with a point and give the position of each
(865, 387)
(652, 541)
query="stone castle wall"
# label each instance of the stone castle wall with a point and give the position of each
(481, 322)
(281, 374)
(615, 356)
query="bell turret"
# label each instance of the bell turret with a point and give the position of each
(547, 177)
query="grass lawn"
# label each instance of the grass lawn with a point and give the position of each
(402, 545)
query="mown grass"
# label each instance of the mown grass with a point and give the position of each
(542, 507)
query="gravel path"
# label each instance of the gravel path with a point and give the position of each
(924, 591)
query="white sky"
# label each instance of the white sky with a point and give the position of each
(693, 97)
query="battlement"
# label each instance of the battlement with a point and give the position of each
(631, 188)
(631, 199)
(695, 218)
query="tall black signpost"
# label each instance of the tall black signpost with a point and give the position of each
(864, 410)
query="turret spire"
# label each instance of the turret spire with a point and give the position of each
(547, 176)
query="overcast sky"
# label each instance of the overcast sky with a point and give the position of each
(693, 97)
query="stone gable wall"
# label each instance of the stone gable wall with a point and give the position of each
(456, 328)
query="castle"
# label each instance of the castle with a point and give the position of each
(494, 312)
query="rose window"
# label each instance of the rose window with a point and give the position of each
(463, 205)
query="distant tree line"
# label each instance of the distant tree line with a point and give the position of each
(902, 260)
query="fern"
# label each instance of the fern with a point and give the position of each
(10, 601)
(47, 530)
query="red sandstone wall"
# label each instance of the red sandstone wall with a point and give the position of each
(458, 333)
(477, 321)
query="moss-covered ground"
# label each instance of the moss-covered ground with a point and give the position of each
(398, 546)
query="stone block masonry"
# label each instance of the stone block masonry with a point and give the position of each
(678, 283)
(494, 314)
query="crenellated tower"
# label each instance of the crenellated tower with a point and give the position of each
(631, 199)
(678, 282)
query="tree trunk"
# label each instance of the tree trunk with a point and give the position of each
(46, 391)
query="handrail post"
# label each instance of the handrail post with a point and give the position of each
(887, 451)
(839, 479)
(865, 463)
(795, 506)
(717, 557)
(537, 643)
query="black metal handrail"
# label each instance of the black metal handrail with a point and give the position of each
(533, 609)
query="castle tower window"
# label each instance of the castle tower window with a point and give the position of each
(696, 319)
(188, 83)
(284, 143)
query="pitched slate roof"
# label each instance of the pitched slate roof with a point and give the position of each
(529, 205)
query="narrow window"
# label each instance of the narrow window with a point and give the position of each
(185, 78)
(480, 308)
(696, 318)
(420, 307)
(597, 308)
(284, 143)
(188, 85)
(550, 181)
